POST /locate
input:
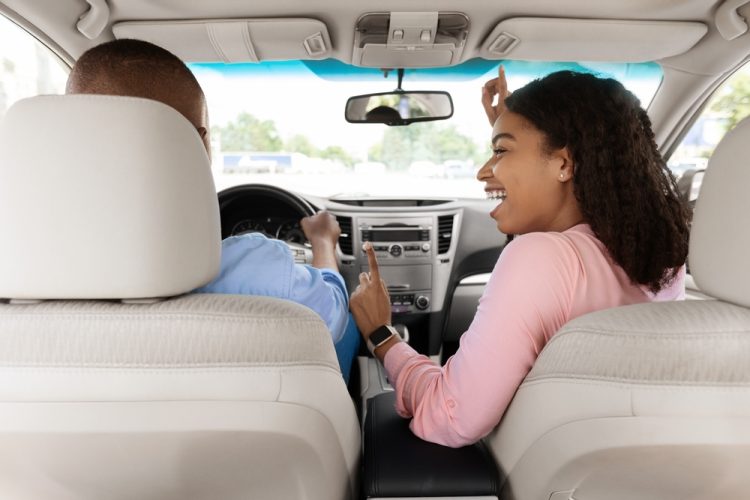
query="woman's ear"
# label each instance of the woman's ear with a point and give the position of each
(563, 164)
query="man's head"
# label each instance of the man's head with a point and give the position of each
(141, 69)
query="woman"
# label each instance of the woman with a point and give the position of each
(598, 224)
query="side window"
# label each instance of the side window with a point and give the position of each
(729, 104)
(27, 67)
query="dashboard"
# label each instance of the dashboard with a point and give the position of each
(280, 228)
(263, 209)
(426, 249)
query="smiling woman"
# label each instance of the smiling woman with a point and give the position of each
(248, 103)
(601, 225)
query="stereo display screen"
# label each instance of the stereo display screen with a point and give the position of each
(390, 235)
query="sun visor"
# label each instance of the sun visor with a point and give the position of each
(234, 40)
(548, 39)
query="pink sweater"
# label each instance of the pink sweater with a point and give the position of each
(540, 282)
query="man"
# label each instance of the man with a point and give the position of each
(251, 264)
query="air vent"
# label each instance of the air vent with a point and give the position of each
(445, 233)
(345, 240)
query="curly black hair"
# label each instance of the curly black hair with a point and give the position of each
(622, 184)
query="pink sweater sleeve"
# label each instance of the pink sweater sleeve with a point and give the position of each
(527, 299)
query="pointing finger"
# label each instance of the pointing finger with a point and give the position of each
(373, 262)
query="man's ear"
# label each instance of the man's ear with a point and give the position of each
(203, 134)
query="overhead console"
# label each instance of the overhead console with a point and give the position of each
(409, 39)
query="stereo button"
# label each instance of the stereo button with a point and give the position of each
(396, 250)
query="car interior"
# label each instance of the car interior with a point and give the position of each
(120, 383)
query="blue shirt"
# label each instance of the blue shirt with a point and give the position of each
(252, 264)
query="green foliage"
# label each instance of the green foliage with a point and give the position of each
(337, 153)
(399, 148)
(424, 141)
(733, 100)
(300, 144)
(248, 133)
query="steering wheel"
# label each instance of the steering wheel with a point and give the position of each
(301, 252)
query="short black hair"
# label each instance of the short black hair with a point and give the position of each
(138, 69)
(127, 60)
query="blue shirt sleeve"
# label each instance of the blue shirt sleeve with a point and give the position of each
(252, 264)
(323, 291)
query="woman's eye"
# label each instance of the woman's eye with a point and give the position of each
(498, 152)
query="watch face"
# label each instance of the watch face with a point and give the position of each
(381, 334)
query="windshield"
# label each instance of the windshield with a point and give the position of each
(282, 123)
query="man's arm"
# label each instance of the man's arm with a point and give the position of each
(323, 291)
(323, 232)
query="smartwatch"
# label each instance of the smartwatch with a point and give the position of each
(380, 336)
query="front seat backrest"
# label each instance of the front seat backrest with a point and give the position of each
(104, 197)
(150, 397)
(649, 401)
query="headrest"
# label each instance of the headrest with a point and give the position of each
(104, 197)
(720, 236)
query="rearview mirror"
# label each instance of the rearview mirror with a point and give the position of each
(399, 108)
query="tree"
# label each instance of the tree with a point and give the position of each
(451, 145)
(733, 100)
(337, 153)
(248, 133)
(300, 144)
(425, 141)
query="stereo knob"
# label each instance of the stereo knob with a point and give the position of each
(396, 250)
(422, 302)
(425, 247)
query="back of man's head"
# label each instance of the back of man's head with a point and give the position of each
(141, 69)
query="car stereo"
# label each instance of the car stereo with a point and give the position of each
(392, 241)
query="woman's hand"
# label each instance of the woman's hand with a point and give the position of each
(495, 87)
(370, 303)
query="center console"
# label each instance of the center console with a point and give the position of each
(397, 464)
(405, 253)
(415, 248)
(416, 252)
(414, 256)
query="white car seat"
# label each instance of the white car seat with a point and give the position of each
(136, 396)
(649, 401)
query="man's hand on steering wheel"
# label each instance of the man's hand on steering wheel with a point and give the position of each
(322, 231)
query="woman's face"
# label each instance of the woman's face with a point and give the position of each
(533, 186)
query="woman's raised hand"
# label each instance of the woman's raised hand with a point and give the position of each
(495, 87)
